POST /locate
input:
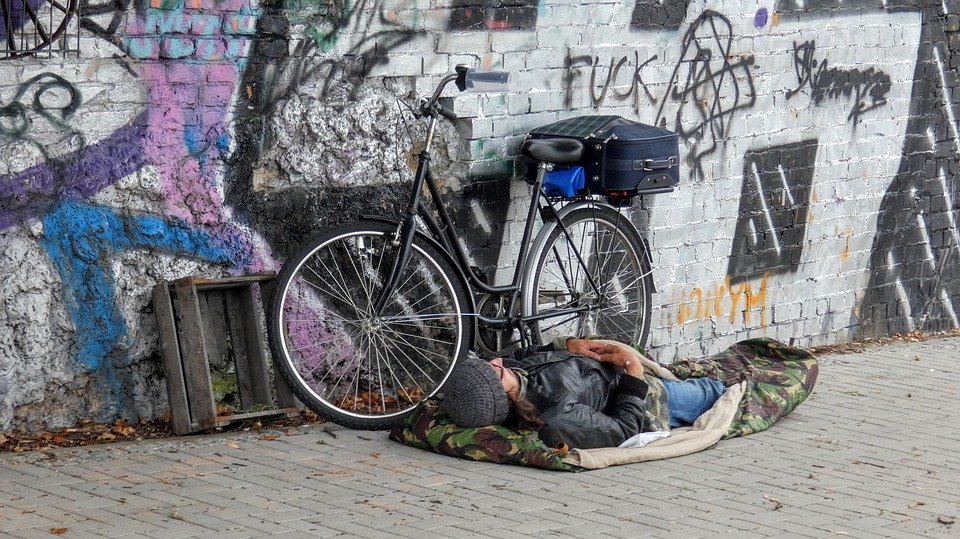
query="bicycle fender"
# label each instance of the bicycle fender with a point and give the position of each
(448, 258)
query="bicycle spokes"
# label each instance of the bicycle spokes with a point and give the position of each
(357, 361)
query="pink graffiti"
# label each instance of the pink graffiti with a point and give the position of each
(188, 116)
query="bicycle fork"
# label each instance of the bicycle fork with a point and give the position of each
(403, 237)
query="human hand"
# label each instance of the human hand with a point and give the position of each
(621, 356)
(586, 348)
(606, 352)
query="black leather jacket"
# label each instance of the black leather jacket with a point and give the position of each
(582, 402)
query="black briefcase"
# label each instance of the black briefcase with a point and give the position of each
(622, 158)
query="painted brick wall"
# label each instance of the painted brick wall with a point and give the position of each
(819, 143)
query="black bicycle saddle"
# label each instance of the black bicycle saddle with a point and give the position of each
(553, 150)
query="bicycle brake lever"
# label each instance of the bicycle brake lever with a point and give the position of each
(422, 108)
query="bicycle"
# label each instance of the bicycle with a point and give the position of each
(369, 319)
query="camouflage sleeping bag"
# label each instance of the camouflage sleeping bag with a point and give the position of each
(779, 377)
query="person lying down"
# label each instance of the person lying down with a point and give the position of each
(577, 393)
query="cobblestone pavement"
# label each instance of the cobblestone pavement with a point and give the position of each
(872, 453)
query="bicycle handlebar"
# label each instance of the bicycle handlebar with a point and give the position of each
(468, 80)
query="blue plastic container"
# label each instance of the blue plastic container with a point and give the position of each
(564, 181)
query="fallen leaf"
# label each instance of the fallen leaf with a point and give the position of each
(3, 439)
(268, 437)
(120, 427)
(375, 455)
(106, 436)
(257, 425)
(233, 445)
(777, 504)
(58, 531)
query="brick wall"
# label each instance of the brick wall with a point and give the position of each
(819, 144)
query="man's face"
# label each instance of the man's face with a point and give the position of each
(509, 379)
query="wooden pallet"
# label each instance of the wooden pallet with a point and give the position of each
(203, 320)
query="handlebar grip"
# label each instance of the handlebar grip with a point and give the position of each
(479, 80)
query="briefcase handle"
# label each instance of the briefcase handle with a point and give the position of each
(654, 164)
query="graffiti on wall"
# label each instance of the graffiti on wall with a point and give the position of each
(832, 82)
(915, 257)
(655, 14)
(213, 76)
(43, 104)
(711, 84)
(772, 219)
(191, 60)
(621, 80)
(737, 302)
(493, 14)
(708, 85)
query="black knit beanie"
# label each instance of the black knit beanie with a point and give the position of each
(474, 396)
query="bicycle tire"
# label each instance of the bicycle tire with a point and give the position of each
(353, 368)
(557, 280)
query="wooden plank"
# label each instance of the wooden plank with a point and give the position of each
(256, 355)
(207, 322)
(172, 366)
(196, 367)
(218, 327)
(238, 342)
(204, 283)
(285, 397)
(289, 412)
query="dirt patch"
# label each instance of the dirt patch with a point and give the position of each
(860, 346)
(90, 433)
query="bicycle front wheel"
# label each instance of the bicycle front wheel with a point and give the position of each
(593, 280)
(349, 364)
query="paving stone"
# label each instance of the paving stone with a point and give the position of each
(841, 463)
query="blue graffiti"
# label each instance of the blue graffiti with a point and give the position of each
(78, 239)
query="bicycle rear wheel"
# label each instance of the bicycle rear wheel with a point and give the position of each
(597, 281)
(348, 364)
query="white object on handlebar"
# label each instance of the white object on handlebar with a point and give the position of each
(478, 80)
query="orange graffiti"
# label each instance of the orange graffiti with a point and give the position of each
(697, 305)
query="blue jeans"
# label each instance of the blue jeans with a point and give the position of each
(688, 399)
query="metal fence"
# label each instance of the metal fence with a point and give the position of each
(43, 28)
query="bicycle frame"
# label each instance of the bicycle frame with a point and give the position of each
(450, 241)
